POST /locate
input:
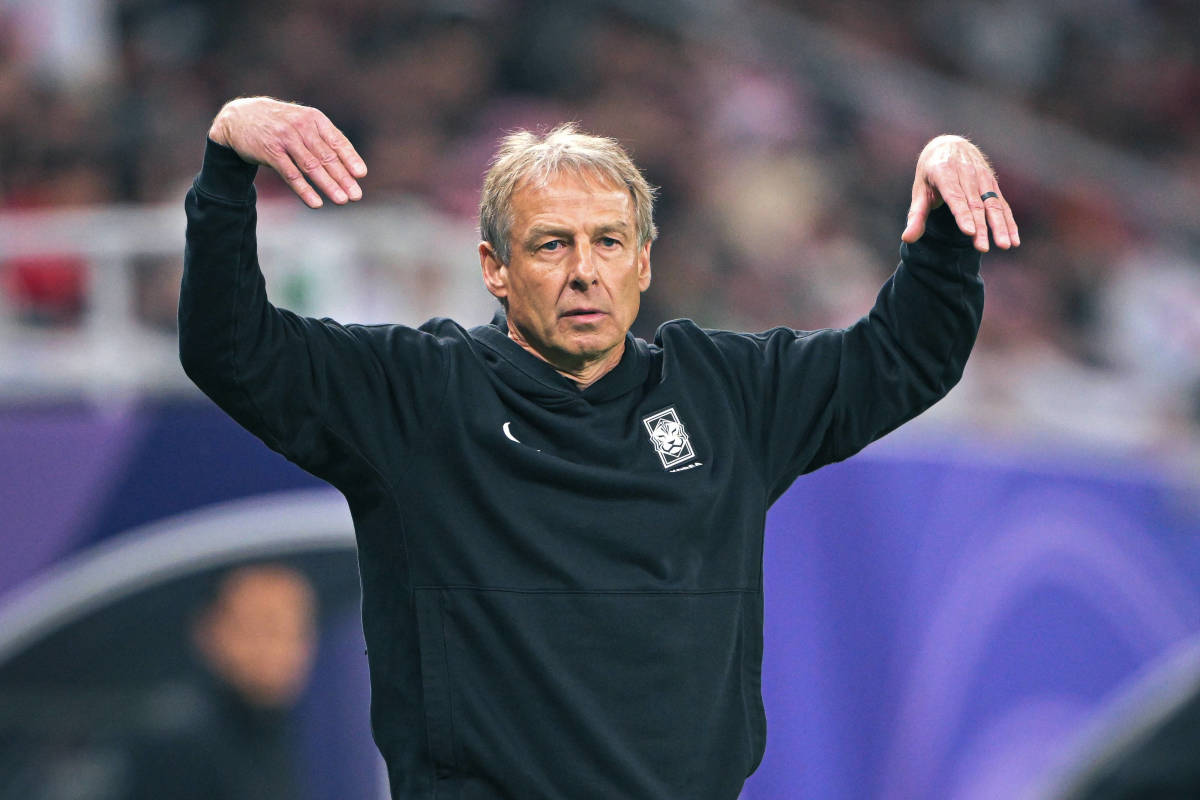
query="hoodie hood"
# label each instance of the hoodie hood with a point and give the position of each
(537, 380)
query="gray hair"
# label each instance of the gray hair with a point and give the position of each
(527, 158)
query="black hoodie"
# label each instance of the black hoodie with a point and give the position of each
(562, 588)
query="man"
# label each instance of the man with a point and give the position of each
(560, 526)
(255, 639)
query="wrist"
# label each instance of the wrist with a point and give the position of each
(225, 175)
(218, 131)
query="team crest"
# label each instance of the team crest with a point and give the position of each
(669, 437)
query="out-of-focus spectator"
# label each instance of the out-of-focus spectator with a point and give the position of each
(156, 292)
(230, 736)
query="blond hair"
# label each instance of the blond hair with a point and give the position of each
(525, 158)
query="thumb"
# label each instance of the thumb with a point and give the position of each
(918, 212)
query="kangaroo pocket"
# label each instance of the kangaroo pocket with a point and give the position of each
(589, 695)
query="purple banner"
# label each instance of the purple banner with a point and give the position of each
(946, 629)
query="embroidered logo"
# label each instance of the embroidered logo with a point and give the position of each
(506, 428)
(669, 437)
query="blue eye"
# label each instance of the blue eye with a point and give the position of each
(609, 241)
(552, 245)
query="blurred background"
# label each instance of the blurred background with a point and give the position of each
(958, 612)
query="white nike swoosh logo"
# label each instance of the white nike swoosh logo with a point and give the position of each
(506, 427)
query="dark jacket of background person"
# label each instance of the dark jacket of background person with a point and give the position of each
(562, 590)
(225, 749)
(228, 735)
(1150, 747)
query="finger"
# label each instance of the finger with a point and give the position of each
(966, 196)
(1014, 235)
(974, 197)
(314, 169)
(994, 206)
(342, 146)
(343, 187)
(918, 212)
(964, 216)
(281, 161)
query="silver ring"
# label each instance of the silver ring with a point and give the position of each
(984, 197)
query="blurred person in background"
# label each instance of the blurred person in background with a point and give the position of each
(560, 525)
(1152, 762)
(255, 640)
(1144, 745)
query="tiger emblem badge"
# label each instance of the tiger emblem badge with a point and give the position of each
(669, 437)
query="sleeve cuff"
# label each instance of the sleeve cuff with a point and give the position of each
(225, 176)
(941, 227)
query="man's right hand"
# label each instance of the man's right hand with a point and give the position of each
(297, 142)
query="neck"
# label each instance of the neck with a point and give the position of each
(583, 371)
(588, 374)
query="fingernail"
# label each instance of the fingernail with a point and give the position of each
(355, 192)
(339, 196)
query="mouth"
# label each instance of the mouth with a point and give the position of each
(583, 314)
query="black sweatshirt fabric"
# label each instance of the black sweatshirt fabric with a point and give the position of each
(562, 588)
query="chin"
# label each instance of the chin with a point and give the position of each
(590, 348)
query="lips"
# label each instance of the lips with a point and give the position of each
(583, 312)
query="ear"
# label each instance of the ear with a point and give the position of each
(495, 274)
(643, 267)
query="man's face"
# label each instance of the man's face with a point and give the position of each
(575, 274)
(260, 635)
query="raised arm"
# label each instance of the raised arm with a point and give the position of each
(336, 399)
(814, 397)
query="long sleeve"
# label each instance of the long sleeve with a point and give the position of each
(333, 398)
(810, 398)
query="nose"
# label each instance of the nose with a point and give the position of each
(583, 268)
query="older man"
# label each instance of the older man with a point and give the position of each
(559, 525)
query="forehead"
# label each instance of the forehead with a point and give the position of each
(571, 197)
(251, 592)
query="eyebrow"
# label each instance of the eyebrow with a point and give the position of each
(613, 227)
(540, 231)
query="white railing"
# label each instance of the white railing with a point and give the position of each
(381, 263)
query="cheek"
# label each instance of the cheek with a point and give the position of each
(631, 287)
(540, 295)
(529, 308)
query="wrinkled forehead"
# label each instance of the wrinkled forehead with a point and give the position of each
(589, 178)
(571, 203)
(264, 590)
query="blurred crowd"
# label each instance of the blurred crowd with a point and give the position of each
(779, 203)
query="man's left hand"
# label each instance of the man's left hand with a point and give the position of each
(952, 170)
